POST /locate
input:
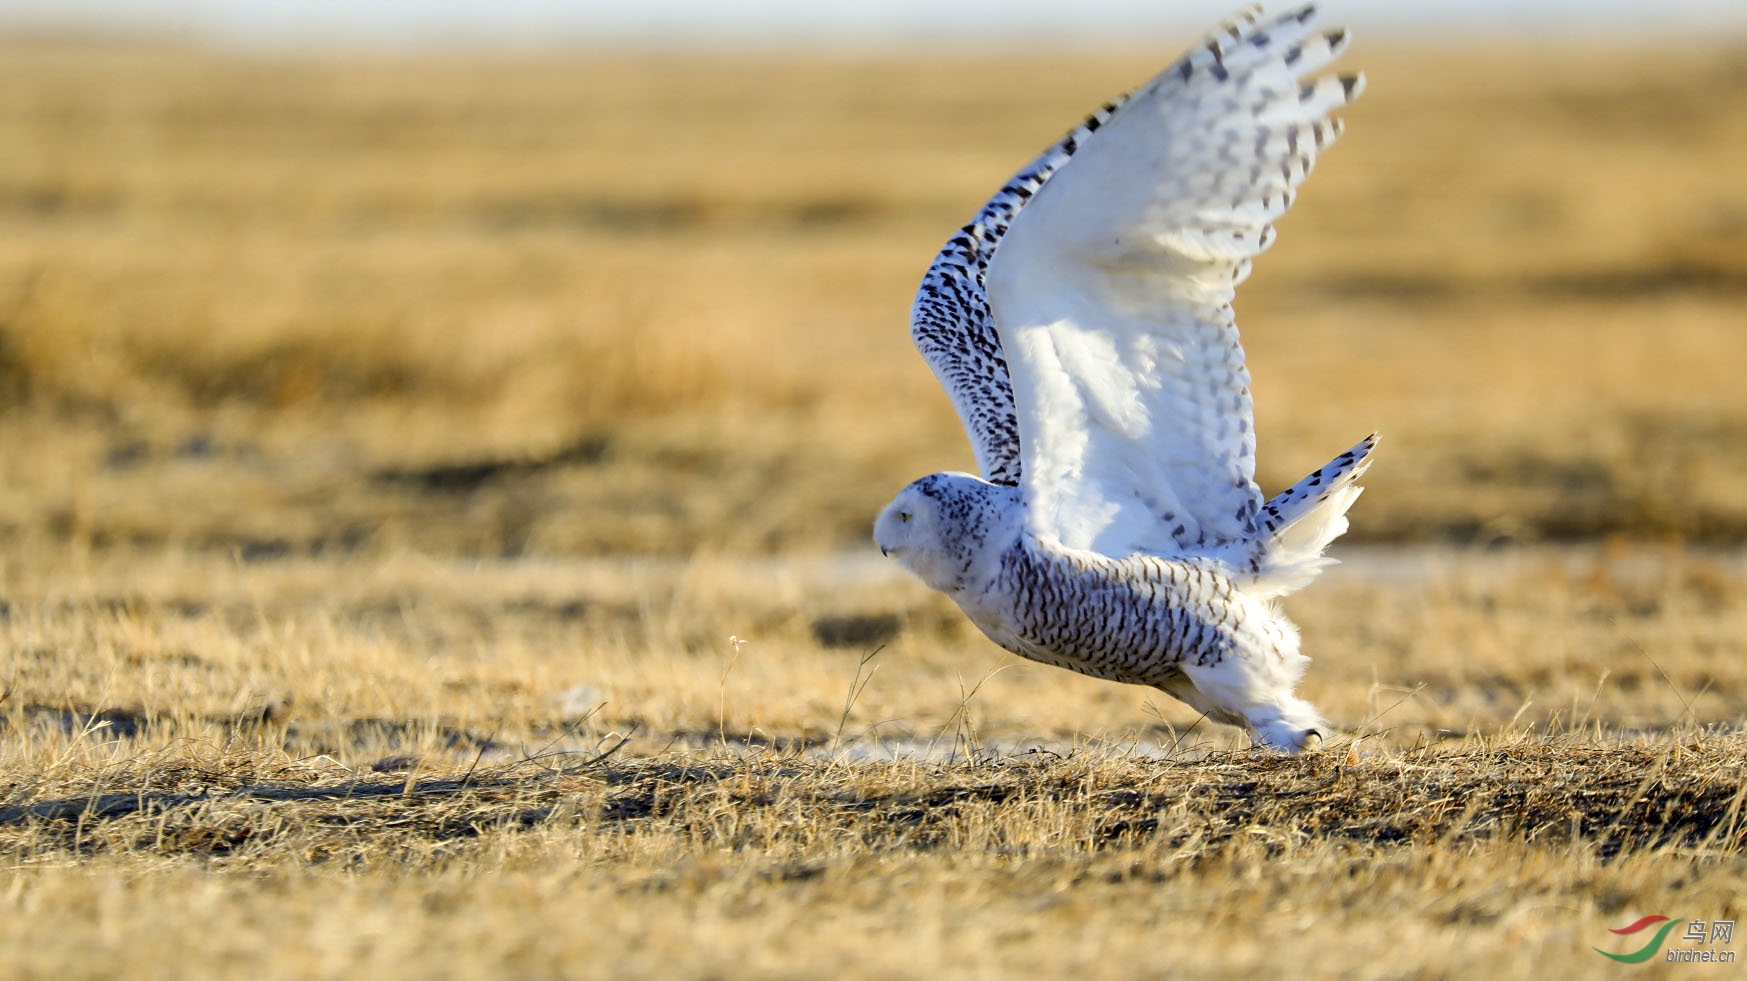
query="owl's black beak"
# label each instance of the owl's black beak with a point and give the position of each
(884, 552)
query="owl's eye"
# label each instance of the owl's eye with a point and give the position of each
(903, 516)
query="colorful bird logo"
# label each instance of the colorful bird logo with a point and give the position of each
(1646, 952)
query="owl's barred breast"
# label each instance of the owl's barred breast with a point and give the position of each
(1133, 619)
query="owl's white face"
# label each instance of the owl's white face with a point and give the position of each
(945, 527)
(909, 530)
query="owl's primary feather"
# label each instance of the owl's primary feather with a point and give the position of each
(1082, 326)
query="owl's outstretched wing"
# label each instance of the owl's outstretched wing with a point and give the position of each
(950, 322)
(1111, 292)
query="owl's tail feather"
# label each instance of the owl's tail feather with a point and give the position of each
(1295, 527)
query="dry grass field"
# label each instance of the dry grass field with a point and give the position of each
(434, 496)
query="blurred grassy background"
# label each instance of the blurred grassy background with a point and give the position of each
(596, 303)
(384, 320)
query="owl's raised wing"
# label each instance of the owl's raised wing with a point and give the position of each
(1111, 292)
(950, 322)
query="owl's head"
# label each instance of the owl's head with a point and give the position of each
(943, 527)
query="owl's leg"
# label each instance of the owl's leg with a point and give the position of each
(1177, 685)
(1259, 698)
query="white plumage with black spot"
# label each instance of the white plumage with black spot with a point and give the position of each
(1082, 326)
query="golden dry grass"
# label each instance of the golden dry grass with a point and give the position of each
(424, 486)
(417, 766)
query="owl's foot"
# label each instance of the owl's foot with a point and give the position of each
(1292, 727)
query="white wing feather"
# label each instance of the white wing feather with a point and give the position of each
(950, 322)
(1112, 289)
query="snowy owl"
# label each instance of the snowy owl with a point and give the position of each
(1082, 326)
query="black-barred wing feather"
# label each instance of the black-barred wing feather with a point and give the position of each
(1111, 293)
(951, 324)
